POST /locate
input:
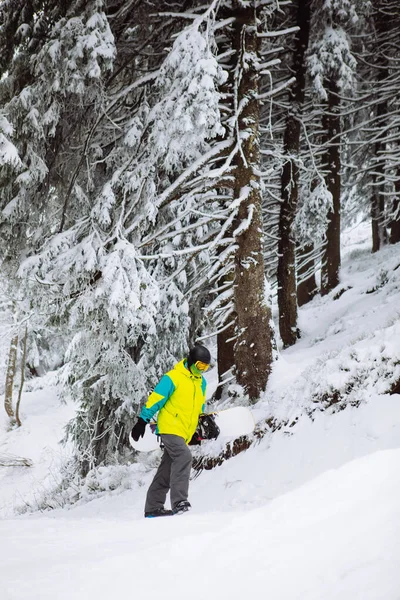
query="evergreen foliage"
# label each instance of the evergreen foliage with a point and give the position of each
(162, 170)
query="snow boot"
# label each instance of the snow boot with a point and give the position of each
(159, 512)
(181, 507)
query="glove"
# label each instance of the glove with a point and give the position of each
(196, 440)
(208, 429)
(138, 429)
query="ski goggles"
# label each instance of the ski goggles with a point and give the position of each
(201, 366)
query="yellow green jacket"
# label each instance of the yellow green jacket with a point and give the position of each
(180, 397)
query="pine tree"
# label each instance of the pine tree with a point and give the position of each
(54, 94)
(132, 197)
(332, 67)
(233, 220)
(117, 151)
(382, 78)
(253, 348)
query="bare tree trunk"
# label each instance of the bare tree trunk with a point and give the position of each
(379, 233)
(226, 356)
(287, 298)
(378, 221)
(395, 224)
(286, 272)
(331, 256)
(253, 344)
(307, 285)
(10, 374)
(23, 364)
(226, 337)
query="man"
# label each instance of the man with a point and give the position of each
(180, 399)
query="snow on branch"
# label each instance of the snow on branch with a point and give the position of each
(8, 152)
(165, 197)
(218, 240)
(272, 34)
(126, 90)
(276, 90)
(266, 65)
(184, 252)
(186, 15)
(224, 23)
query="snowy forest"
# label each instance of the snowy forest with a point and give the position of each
(221, 172)
(171, 171)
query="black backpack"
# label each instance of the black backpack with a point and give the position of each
(207, 429)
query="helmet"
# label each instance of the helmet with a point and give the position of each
(198, 353)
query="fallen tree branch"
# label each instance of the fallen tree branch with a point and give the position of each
(10, 460)
(206, 463)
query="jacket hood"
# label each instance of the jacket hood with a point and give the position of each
(182, 368)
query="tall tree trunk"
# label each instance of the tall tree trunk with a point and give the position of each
(226, 357)
(10, 375)
(331, 255)
(225, 339)
(379, 232)
(378, 221)
(287, 300)
(253, 344)
(307, 284)
(395, 223)
(21, 385)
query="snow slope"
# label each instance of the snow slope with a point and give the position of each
(43, 419)
(335, 537)
(309, 512)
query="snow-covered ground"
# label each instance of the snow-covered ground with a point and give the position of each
(311, 512)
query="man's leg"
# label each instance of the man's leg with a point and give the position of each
(181, 462)
(157, 492)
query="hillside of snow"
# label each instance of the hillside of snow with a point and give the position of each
(310, 511)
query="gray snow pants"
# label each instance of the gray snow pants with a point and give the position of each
(173, 473)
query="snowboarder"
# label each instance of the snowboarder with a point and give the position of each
(180, 399)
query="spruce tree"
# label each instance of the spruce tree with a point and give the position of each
(332, 66)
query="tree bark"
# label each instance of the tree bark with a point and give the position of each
(287, 300)
(253, 344)
(331, 256)
(226, 357)
(21, 385)
(225, 339)
(378, 221)
(379, 233)
(10, 375)
(307, 285)
(395, 224)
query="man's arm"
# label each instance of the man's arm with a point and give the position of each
(163, 390)
(204, 390)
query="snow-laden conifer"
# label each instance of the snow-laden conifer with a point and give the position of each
(332, 68)
(8, 152)
(125, 305)
(377, 122)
